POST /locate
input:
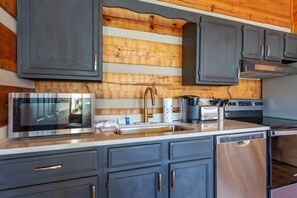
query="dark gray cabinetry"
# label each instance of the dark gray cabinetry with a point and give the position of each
(211, 52)
(220, 45)
(290, 45)
(261, 44)
(61, 174)
(138, 183)
(191, 179)
(253, 42)
(175, 168)
(274, 41)
(78, 188)
(59, 39)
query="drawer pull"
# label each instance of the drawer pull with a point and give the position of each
(173, 180)
(93, 193)
(54, 167)
(159, 182)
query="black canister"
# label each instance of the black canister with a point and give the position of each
(189, 108)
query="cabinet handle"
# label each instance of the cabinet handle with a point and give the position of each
(238, 72)
(159, 182)
(93, 193)
(262, 50)
(173, 180)
(54, 167)
(268, 50)
(95, 62)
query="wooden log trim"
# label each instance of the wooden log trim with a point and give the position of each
(9, 6)
(4, 90)
(123, 18)
(8, 49)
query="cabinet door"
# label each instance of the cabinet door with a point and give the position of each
(290, 51)
(193, 179)
(274, 41)
(138, 183)
(80, 188)
(253, 42)
(220, 51)
(59, 39)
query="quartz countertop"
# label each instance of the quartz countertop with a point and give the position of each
(100, 139)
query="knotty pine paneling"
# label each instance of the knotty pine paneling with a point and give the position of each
(116, 90)
(4, 90)
(8, 59)
(122, 18)
(294, 16)
(133, 51)
(9, 6)
(275, 12)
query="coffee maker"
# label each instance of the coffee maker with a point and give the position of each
(189, 108)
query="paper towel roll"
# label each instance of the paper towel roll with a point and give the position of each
(167, 110)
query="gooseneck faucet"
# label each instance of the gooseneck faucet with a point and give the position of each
(147, 115)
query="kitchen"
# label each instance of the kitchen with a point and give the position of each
(113, 50)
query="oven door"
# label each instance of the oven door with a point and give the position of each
(43, 114)
(283, 163)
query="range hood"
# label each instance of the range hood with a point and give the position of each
(256, 69)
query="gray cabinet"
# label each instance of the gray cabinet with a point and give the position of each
(66, 174)
(184, 169)
(262, 44)
(191, 179)
(219, 56)
(274, 41)
(211, 52)
(138, 183)
(59, 39)
(253, 42)
(79, 188)
(290, 45)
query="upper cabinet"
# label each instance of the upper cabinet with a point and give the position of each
(60, 39)
(253, 42)
(262, 44)
(274, 41)
(211, 52)
(290, 45)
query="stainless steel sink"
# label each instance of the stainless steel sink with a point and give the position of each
(153, 129)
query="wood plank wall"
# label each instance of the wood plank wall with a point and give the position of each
(294, 16)
(8, 60)
(130, 51)
(274, 12)
(139, 52)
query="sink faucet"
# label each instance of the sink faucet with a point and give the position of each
(147, 115)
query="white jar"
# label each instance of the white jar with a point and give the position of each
(167, 110)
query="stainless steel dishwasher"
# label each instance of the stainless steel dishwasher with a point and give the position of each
(241, 165)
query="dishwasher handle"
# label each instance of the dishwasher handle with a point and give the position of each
(242, 139)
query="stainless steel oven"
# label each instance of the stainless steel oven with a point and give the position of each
(283, 162)
(47, 114)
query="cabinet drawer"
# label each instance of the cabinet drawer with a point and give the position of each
(200, 148)
(47, 167)
(134, 155)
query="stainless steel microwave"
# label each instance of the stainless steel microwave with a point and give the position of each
(48, 114)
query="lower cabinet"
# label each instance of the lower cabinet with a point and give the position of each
(191, 179)
(138, 183)
(173, 168)
(78, 188)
